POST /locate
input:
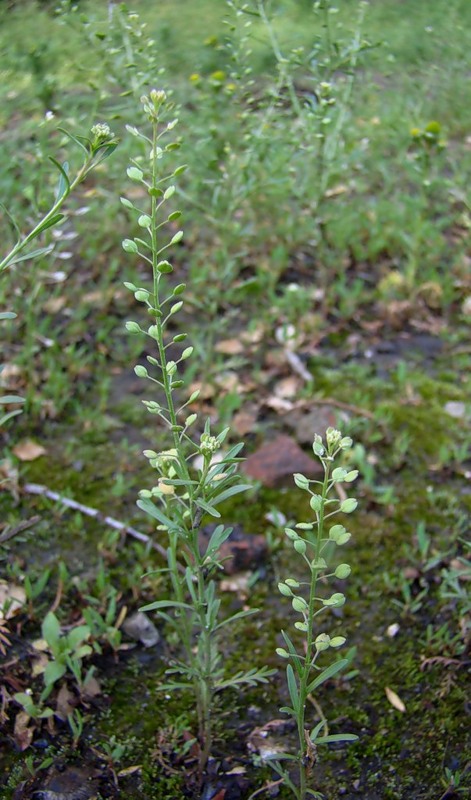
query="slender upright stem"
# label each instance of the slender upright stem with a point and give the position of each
(201, 662)
(310, 657)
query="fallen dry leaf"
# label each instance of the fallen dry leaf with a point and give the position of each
(244, 422)
(91, 689)
(229, 382)
(341, 188)
(287, 387)
(55, 304)
(123, 773)
(65, 703)
(12, 599)
(229, 347)
(9, 477)
(394, 699)
(22, 733)
(40, 663)
(206, 391)
(253, 336)
(28, 450)
(279, 404)
(239, 584)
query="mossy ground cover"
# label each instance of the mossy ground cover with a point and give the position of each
(374, 279)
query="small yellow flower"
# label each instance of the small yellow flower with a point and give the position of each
(219, 76)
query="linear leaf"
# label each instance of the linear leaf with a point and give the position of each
(326, 674)
(238, 615)
(151, 509)
(241, 487)
(337, 737)
(76, 139)
(11, 398)
(165, 604)
(206, 507)
(49, 223)
(288, 710)
(12, 221)
(8, 416)
(63, 187)
(315, 731)
(42, 251)
(293, 687)
(218, 537)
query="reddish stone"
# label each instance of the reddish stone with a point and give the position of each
(276, 461)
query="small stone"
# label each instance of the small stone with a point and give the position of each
(138, 626)
(276, 461)
(393, 630)
(455, 409)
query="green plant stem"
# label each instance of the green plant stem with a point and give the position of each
(201, 667)
(50, 214)
(281, 60)
(310, 658)
(331, 145)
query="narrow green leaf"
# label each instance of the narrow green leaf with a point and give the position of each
(238, 615)
(206, 507)
(297, 660)
(327, 673)
(288, 710)
(11, 398)
(241, 487)
(292, 687)
(6, 417)
(315, 731)
(218, 537)
(49, 223)
(63, 187)
(76, 139)
(42, 251)
(337, 737)
(148, 506)
(157, 604)
(12, 220)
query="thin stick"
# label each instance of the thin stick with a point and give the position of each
(22, 526)
(266, 787)
(37, 488)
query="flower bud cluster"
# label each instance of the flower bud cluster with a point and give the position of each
(208, 444)
(101, 133)
(153, 102)
(162, 461)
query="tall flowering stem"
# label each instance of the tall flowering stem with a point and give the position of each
(189, 484)
(315, 545)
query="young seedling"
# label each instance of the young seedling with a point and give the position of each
(314, 543)
(190, 483)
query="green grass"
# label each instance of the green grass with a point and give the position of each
(381, 254)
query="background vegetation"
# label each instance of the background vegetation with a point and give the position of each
(328, 272)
